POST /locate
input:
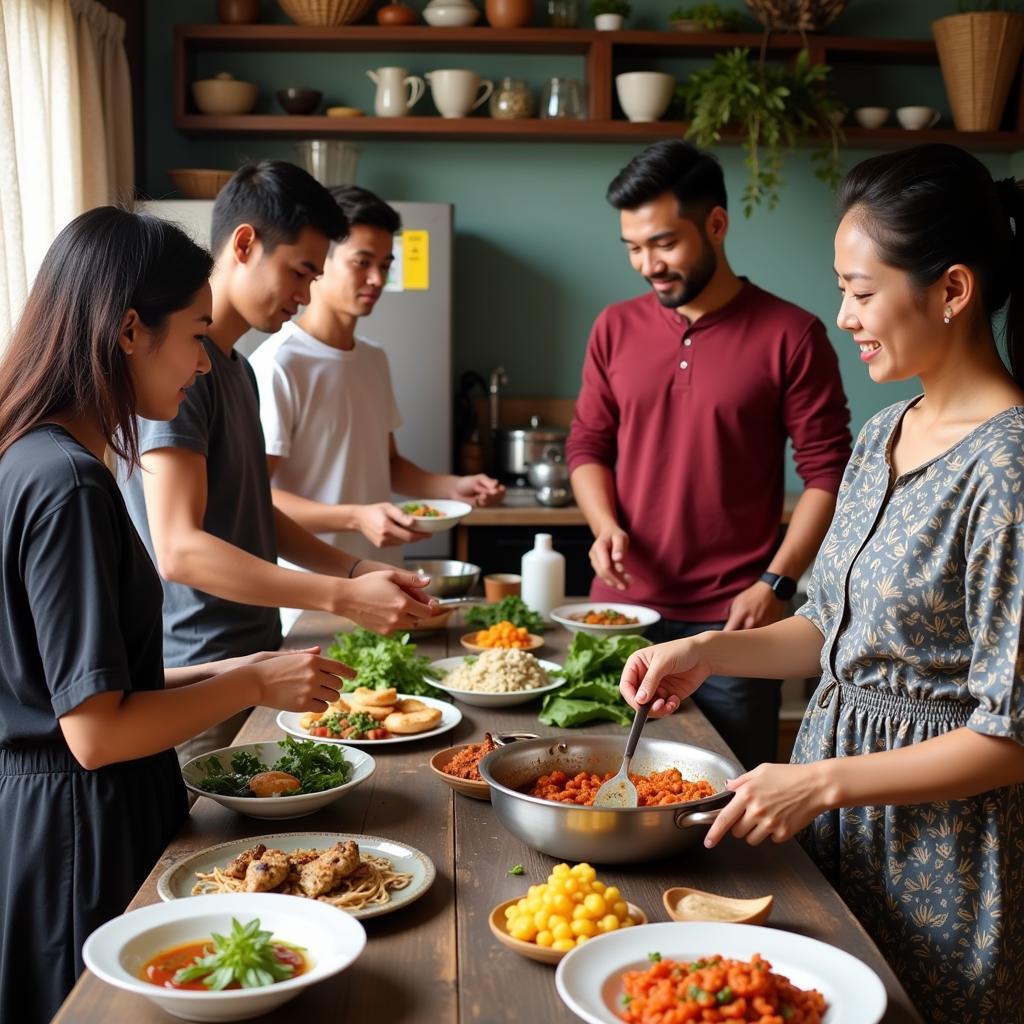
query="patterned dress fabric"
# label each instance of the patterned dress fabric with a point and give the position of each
(918, 590)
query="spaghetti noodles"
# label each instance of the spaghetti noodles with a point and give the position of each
(370, 884)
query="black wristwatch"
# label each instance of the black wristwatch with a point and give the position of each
(783, 587)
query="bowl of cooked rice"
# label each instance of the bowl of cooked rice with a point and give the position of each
(497, 678)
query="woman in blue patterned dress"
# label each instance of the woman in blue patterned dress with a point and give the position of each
(907, 781)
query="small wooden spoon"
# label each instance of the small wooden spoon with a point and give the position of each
(684, 904)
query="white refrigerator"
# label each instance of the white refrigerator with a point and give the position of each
(412, 323)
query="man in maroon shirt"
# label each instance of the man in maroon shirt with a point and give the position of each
(677, 449)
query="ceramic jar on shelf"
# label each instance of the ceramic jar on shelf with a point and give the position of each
(509, 13)
(511, 101)
(238, 12)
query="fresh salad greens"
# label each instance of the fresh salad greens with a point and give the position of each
(421, 509)
(383, 661)
(317, 766)
(246, 956)
(510, 609)
(592, 670)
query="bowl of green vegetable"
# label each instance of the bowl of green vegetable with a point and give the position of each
(225, 957)
(287, 779)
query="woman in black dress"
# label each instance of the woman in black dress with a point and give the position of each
(90, 790)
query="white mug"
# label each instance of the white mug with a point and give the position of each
(397, 91)
(916, 118)
(457, 92)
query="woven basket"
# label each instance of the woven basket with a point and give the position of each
(199, 182)
(979, 54)
(796, 15)
(325, 12)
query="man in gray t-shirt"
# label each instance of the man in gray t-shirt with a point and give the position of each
(219, 420)
(201, 498)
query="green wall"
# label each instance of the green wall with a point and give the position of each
(537, 252)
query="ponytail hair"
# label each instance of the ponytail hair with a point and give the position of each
(929, 207)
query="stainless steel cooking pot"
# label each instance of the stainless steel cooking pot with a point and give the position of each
(622, 835)
(550, 470)
(517, 449)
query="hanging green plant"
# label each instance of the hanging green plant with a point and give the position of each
(774, 107)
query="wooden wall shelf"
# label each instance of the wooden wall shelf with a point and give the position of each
(486, 129)
(600, 50)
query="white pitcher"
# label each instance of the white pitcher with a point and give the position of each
(397, 92)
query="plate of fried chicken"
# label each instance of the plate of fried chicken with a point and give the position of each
(363, 875)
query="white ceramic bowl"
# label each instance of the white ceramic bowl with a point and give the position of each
(644, 95)
(451, 513)
(451, 15)
(493, 700)
(589, 977)
(277, 807)
(916, 118)
(117, 951)
(871, 117)
(647, 617)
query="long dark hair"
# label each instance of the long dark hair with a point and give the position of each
(64, 352)
(929, 207)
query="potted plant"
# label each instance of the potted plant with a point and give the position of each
(704, 18)
(773, 107)
(609, 15)
(979, 50)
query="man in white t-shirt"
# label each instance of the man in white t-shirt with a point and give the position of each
(328, 407)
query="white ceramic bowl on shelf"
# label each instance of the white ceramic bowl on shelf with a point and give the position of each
(871, 117)
(451, 13)
(118, 950)
(644, 95)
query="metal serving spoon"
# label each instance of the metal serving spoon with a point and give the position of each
(620, 791)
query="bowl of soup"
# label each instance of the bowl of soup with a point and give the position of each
(171, 952)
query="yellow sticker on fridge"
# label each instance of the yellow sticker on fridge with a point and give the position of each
(416, 260)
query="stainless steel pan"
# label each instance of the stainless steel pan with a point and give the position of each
(603, 836)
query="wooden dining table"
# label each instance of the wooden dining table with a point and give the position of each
(435, 961)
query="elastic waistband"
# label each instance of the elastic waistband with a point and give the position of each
(56, 758)
(920, 709)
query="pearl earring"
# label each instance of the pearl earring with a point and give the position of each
(948, 318)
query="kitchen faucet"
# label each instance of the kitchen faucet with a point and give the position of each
(498, 379)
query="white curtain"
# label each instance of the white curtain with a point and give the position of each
(65, 129)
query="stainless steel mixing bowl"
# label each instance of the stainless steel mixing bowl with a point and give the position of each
(448, 577)
(603, 836)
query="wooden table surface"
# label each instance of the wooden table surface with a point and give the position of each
(436, 962)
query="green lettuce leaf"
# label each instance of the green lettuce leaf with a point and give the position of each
(593, 666)
(383, 661)
(564, 713)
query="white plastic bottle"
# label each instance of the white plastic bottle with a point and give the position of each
(543, 572)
